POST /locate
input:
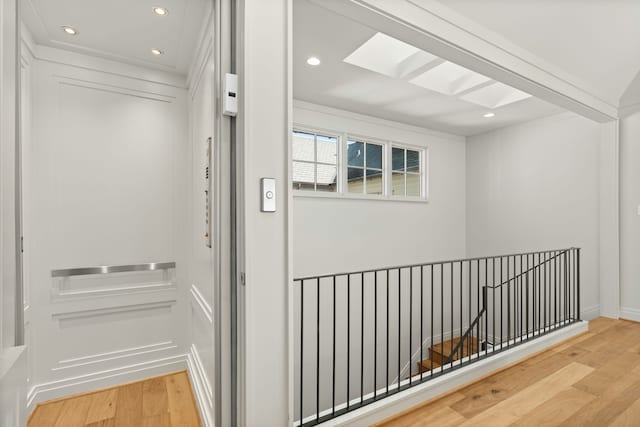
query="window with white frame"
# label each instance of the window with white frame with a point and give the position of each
(315, 162)
(365, 167)
(406, 174)
(334, 162)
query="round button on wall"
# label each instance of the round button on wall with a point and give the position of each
(269, 194)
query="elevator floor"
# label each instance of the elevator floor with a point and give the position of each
(165, 401)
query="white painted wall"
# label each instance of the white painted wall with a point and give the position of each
(534, 187)
(107, 185)
(341, 235)
(629, 217)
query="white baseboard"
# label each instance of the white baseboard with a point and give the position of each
(106, 378)
(201, 387)
(590, 313)
(629, 313)
(392, 405)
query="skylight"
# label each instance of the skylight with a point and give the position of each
(391, 57)
(394, 58)
(449, 78)
(495, 95)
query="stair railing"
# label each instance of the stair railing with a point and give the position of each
(467, 334)
(364, 336)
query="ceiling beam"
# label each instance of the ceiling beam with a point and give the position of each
(442, 32)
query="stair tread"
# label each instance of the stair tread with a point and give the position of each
(429, 364)
(449, 345)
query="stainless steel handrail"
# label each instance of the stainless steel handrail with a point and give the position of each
(108, 269)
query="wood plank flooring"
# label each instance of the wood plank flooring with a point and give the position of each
(590, 380)
(165, 401)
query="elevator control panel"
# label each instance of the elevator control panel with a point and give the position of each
(268, 190)
(207, 194)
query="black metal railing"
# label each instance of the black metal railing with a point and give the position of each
(363, 336)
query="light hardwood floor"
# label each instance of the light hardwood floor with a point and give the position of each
(165, 401)
(590, 380)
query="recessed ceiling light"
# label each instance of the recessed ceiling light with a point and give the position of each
(160, 11)
(69, 30)
(157, 52)
(488, 115)
(313, 61)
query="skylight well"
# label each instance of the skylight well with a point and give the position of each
(495, 95)
(391, 57)
(399, 60)
(449, 78)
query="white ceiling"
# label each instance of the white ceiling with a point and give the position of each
(339, 84)
(596, 41)
(122, 30)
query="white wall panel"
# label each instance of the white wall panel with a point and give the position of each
(203, 258)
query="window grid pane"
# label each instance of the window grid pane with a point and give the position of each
(315, 162)
(303, 146)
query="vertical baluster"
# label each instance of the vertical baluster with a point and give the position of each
(399, 322)
(574, 283)
(387, 319)
(461, 310)
(561, 287)
(521, 294)
(501, 304)
(333, 357)
(478, 337)
(509, 305)
(317, 349)
(410, 320)
(534, 269)
(421, 320)
(430, 355)
(566, 287)
(555, 290)
(348, 340)
(301, 350)
(529, 286)
(534, 305)
(572, 269)
(375, 334)
(442, 314)
(545, 273)
(579, 314)
(470, 263)
(537, 295)
(361, 338)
